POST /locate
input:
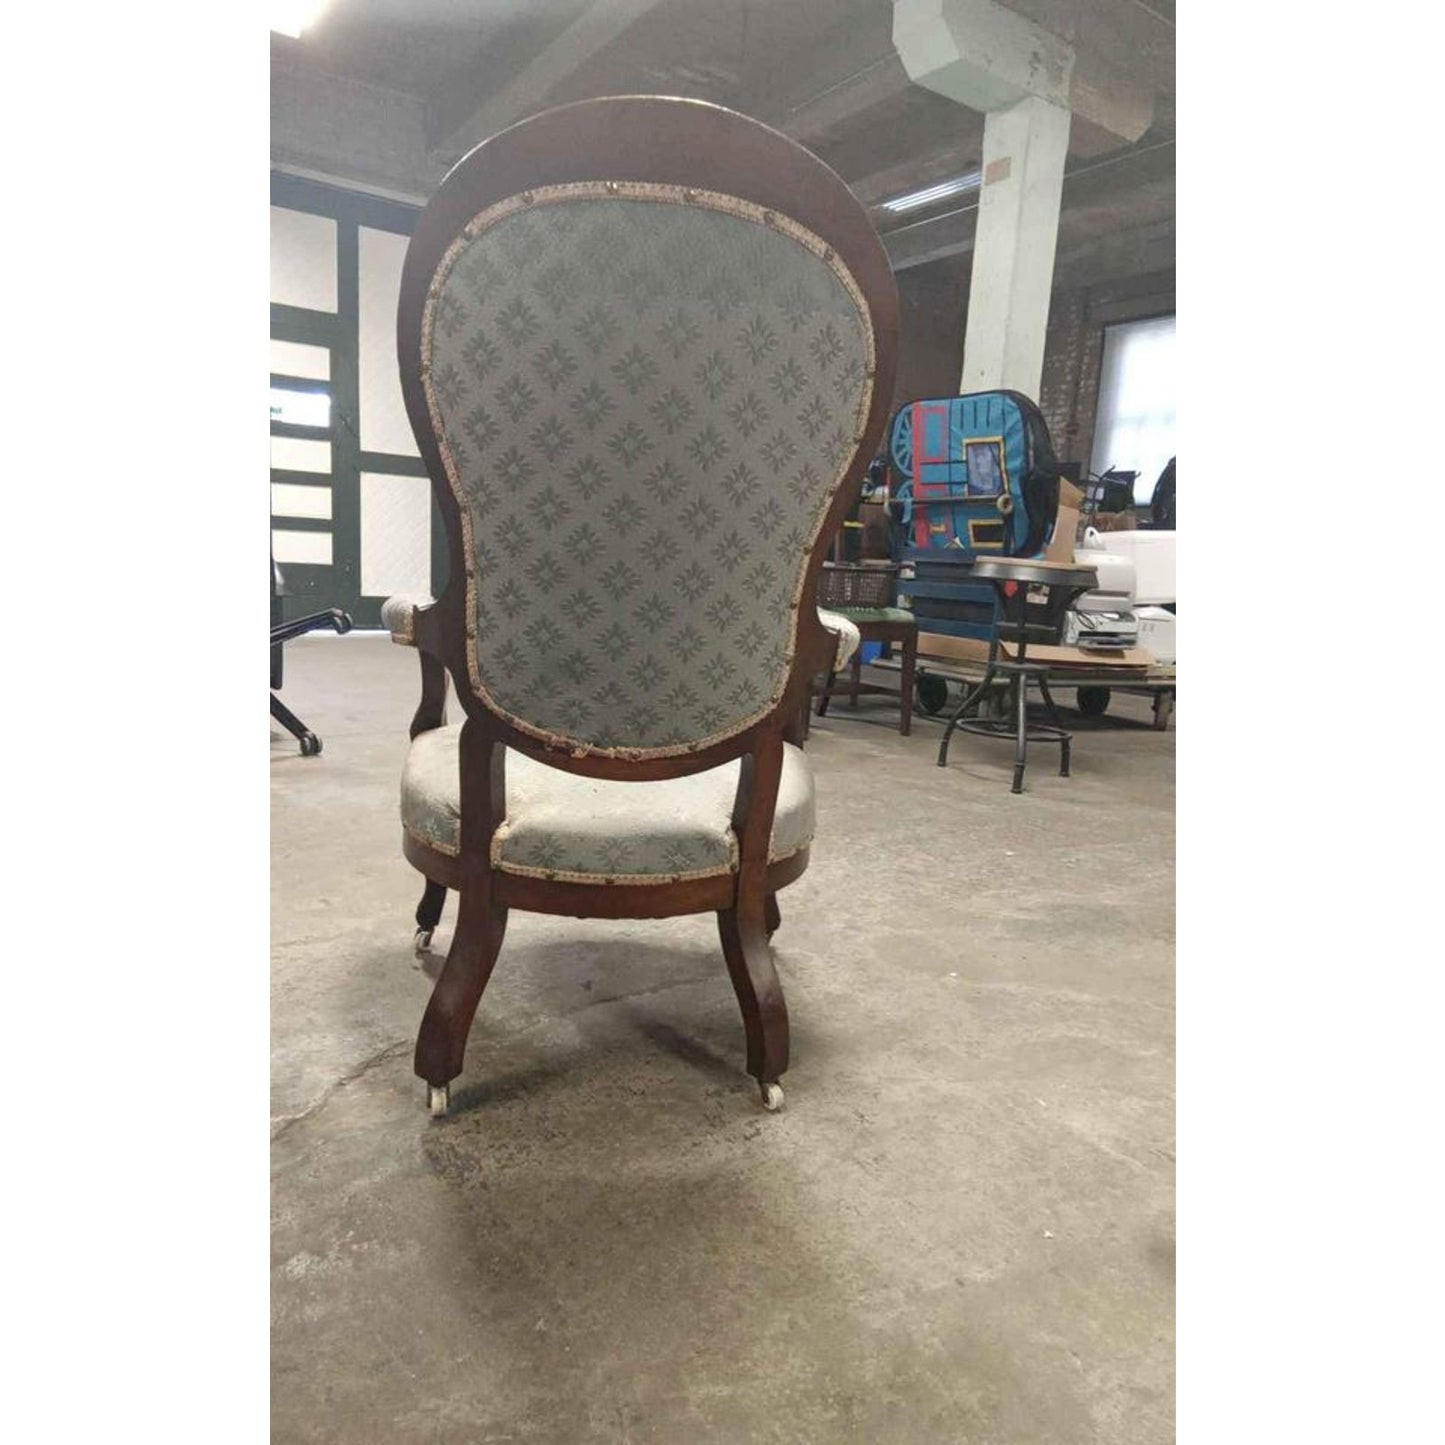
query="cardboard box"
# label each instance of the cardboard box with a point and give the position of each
(1125, 521)
(1066, 524)
(1156, 632)
(971, 649)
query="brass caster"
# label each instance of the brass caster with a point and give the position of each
(438, 1099)
(772, 1097)
(422, 941)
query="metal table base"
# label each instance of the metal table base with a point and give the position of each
(1011, 579)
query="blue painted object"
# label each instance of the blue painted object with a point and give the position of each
(977, 474)
(978, 477)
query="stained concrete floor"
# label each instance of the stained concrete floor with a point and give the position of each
(960, 1229)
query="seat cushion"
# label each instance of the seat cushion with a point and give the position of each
(875, 614)
(849, 638)
(560, 825)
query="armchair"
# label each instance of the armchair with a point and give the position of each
(398, 616)
(645, 346)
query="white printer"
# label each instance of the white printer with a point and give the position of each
(1103, 618)
(1141, 564)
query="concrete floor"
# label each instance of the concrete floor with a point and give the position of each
(960, 1229)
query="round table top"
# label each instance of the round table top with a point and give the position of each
(1035, 571)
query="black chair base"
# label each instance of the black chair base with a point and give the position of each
(284, 632)
(310, 743)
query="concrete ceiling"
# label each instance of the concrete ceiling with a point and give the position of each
(387, 94)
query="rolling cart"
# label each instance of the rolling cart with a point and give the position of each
(1095, 687)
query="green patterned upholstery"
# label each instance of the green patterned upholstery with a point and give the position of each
(398, 617)
(560, 825)
(645, 399)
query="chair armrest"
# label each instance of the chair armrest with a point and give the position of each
(846, 631)
(398, 616)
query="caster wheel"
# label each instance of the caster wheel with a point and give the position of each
(772, 1097)
(422, 941)
(930, 694)
(438, 1099)
(1093, 701)
(310, 745)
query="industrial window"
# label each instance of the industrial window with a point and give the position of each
(300, 408)
(1134, 427)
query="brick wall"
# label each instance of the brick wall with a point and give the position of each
(1074, 350)
(933, 301)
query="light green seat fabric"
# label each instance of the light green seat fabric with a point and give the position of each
(563, 826)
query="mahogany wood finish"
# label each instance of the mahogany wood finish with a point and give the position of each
(429, 910)
(431, 711)
(671, 142)
(771, 914)
(902, 634)
(590, 900)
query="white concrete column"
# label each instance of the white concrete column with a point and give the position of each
(1024, 151)
(990, 58)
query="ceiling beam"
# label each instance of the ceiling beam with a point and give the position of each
(1133, 251)
(877, 84)
(989, 57)
(1104, 192)
(601, 23)
(1138, 251)
(962, 152)
(514, 36)
(350, 132)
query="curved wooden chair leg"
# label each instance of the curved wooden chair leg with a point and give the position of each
(824, 695)
(429, 913)
(905, 682)
(772, 917)
(760, 994)
(441, 1043)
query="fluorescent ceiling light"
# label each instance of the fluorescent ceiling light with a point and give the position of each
(941, 192)
(291, 17)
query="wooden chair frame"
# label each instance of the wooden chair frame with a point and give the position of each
(667, 142)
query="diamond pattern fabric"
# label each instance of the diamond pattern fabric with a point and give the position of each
(646, 399)
(560, 825)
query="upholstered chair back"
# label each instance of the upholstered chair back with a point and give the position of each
(645, 398)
